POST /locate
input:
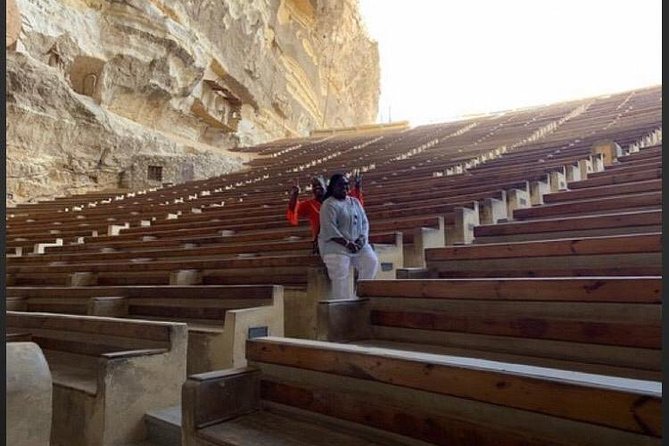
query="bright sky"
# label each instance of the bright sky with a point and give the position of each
(442, 59)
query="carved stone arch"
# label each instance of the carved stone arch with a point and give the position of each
(85, 76)
(55, 59)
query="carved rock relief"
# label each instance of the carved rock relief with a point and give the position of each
(128, 78)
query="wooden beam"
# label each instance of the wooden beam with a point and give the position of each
(615, 402)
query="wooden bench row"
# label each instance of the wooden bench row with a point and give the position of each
(97, 364)
(617, 223)
(605, 325)
(219, 318)
(384, 396)
(636, 254)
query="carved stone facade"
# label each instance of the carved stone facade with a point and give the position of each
(149, 171)
(92, 84)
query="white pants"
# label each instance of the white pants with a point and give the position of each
(339, 267)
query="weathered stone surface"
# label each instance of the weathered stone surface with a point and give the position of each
(93, 83)
(12, 23)
(29, 395)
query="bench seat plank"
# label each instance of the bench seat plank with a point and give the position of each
(632, 405)
(642, 243)
(643, 335)
(568, 289)
(651, 219)
(266, 428)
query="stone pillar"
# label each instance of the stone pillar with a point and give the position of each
(29, 393)
(343, 320)
(12, 23)
(610, 151)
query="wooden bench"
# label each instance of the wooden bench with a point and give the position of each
(629, 168)
(626, 255)
(620, 223)
(606, 325)
(97, 365)
(303, 277)
(604, 191)
(166, 266)
(618, 178)
(247, 267)
(391, 397)
(601, 205)
(219, 318)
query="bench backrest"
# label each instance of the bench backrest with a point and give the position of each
(472, 398)
(637, 254)
(606, 325)
(89, 335)
(204, 303)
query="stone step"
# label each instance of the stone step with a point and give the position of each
(163, 427)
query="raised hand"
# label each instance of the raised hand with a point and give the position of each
(357, 179)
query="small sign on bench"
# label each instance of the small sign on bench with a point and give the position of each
(386, 266)
(257, 332)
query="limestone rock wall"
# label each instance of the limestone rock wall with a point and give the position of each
(94, 85)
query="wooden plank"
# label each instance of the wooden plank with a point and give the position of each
(173, 265)
(596, 289)
(84, 324)
(78, 347)
(139, 278)
(217, 250)
(218, 292)
(646, 199)
(57, 307)
(134, 353)
(610, 360)
(629, 334)
(632, 167)
(614, 220)
(165, 312)
(644, 243)
(18, 337)
(548, 271)
(629, 404)
(410, 421)
(618, 178)
(269, 428)
(603, 191)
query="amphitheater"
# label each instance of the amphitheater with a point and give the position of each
(518, 302)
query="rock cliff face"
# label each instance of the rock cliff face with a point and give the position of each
(95, 87)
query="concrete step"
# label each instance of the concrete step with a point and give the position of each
(163, 427)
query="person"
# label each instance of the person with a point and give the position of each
(310, 209)
(343, 239)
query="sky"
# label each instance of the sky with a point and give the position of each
(445, 59)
